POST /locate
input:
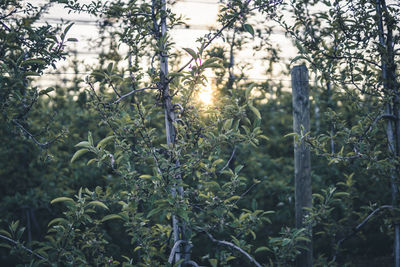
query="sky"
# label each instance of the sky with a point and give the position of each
(200, 14)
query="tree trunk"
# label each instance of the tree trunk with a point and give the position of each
(302, 165)
(169, 115)
(388, 68)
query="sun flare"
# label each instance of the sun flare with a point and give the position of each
(205, 95)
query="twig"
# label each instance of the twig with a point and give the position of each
(208, 42)
(229, 161)
(229, 244)
(134, 91)
(379, 117)
(113, 87)
(23, 247)
(33, 137)
(358, 227)
(9, 14)
(245, 192)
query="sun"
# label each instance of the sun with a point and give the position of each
(205, 95)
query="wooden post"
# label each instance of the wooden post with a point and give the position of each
(302, 166)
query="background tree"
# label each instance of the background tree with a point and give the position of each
(351, 48)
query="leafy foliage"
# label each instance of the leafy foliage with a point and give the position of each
(130, 169)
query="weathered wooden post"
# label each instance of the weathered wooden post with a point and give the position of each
(302, 166)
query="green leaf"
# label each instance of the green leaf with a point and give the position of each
(191, 52)
(98, 75)
(79, 153)
(218, 161)
(238, 168)
(302, 238)
(248, 28)
(212, 65)
(83, 144)
(248, 90)
(231, 199)
(56, 221)
(105, 141)
(153, 212)
(230, 258)
(289, 135)
(90, 138)
(145, 176)
(7, 246)
(46, 91)
(62, 199)
(213, 262)
(91, 161)
(319, 196)
(33, 61)
(253, 234)
(255, 111)
(4, 232)
(31, 73)
(67, 28)
(228, 124)
(210, 61)
(98, 204)
(111, 217)
(110, 67)
(261, 249)
(175, 74)
(285, 241)
(72, 40)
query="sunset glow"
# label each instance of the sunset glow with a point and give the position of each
(205, 95)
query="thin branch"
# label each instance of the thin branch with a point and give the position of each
(229, 161)
(359, 226)
(5, 26)
(378, 118)
(33, 137)
(209, 42)
(245, 192)
(113, 87)
(132, 92)
(174, 249)
(23, 247)
(9, 14)
(229, 244)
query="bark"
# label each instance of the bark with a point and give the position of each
(390, 86)
(169, 115)
(301, 124)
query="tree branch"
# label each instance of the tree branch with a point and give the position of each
(174, 249)
(229, 244)
(46, 144)
(230, 159)
(210, 40)
(23, 247)
(358, 227)
(245, 192)
(378, 118)
(132, 92)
